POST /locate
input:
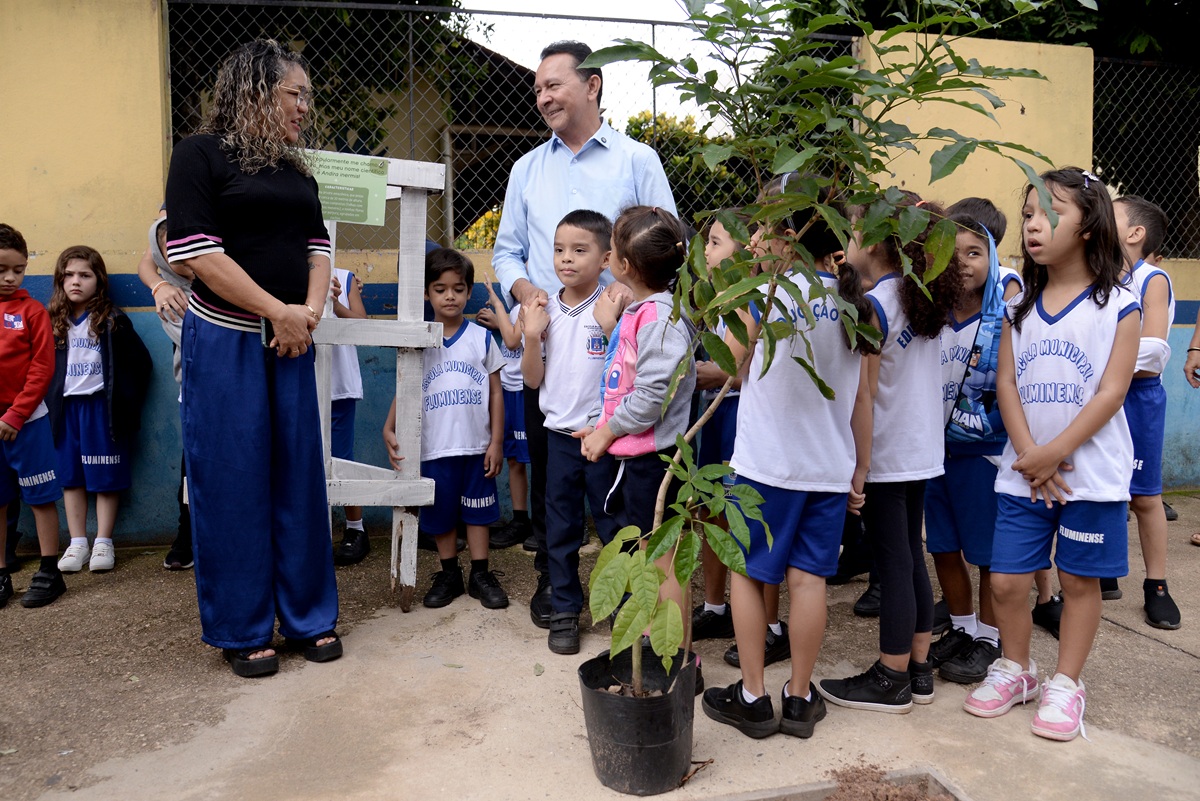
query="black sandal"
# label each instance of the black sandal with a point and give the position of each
(242, 665)
(319, 653)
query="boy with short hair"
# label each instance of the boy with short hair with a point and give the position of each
(462, 434)
(26, 443)
(1141, 227)
(568, 368)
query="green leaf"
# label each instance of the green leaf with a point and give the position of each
(628, 50)
(940, 244)
(714, 155)
(664, 538)
(630, 623)
(825, 390)
(608, 585)
(950, 157)
(913, 222)
(788, 160)
(719, 352)
(725, 548)
(687, 556)
(666, 632)
(733, 225)
(644, 580)
(1089, 4)
(1045, 199)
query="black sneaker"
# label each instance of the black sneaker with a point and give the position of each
(6, 590)
(530, 544)
(941, 617)
(353, 548)
(484, 585)
(539, 605)
(1170, 512)
(564, 633)
(1049, 614)
(800, 717)
(511, 533)
(868, 603)
(728, 705)
(447, 585)
(951, 644)
(44, 588)
(879, 689)
(972, 665)
(778, 648)
(708, 625)
(921, 678)
(1161, 611)
(1110, 590)
(180, 555)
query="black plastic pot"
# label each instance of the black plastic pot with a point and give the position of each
(640, 746)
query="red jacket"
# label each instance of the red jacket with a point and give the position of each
(26, 357)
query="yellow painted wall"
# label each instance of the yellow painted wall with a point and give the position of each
(1053, 117)
(84, 134)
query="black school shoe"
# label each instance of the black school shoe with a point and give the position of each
(921, 680)
(44, 589)
(1049, 614)
(708, 625)
(879, 689)
(953, 643)
(778, 648)
(727, 705)
(1171, 514)
(6, 590)
(512, 533)
(540, 609)
(869, 602)
(353, 548)
(972, 665)
(564, 633)
(941, 617)
(1110, 589)
(484, 586)
(1161, 610)
(800, 717)
(447, 585)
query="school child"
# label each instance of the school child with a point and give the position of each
(171, 287)
(567, 377)
(634, 420)
(907, 449)
(462, 435)
(26, 444)
(960, 505)
(346, 391)
(1141, 227)
(806, 491)
(101, 375)
(516, 446)
(1068, 351)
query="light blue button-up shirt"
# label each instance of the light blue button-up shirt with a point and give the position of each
(609, 173)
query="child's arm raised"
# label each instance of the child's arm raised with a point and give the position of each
(493, 458)
(509, 332)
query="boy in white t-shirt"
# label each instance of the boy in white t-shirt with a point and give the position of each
(568, 368)
(346, 390)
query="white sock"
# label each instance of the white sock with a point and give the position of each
(355, 524)
(990, 633)
(100, 540)
(968, 623)
(80, 541)
(747, 697)
(717, 609)
(786, 694)
(776, 628)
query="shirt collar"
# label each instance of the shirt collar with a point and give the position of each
(603, 137)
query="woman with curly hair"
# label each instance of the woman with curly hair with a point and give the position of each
(906, 449)
(243, 215)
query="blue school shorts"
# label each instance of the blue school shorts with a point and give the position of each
(32, 458)
(806, 532)
(1090, 538)
(341, 434)
(87, 455)
(960, 509)
(1146, 413)
(515, 444)
(716, 438)
(461, 493)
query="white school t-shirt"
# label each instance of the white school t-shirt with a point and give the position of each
(1136, 282)
(1059, 362)
(574, 351)
(345, 377)
(457, 392)
(510, 377)
(908, 441)
(788, 434)
(85, 368)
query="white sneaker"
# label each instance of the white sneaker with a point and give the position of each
(74, 558)
(1060, 715)
(103, 558)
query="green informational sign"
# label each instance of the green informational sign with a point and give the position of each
(353, 188)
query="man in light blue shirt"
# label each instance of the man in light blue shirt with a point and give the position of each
(586, 164)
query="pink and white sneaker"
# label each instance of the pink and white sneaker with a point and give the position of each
(1060, 715)
(1007, 683)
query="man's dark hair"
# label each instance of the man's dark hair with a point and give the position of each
(11, 239)
(448, 260)
(981, 211)
(1140, 211)
(593, 222)
(578, 51)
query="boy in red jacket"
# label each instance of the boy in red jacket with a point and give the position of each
(26, 445)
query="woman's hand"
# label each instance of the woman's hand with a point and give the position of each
(170, 303)
(293, 325)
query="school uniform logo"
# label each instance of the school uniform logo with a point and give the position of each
(14, 322)
(595, 341)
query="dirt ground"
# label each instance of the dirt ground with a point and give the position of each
(116, 667)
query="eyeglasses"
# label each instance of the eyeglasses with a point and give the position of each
(304, 95)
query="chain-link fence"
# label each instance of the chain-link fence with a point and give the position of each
(431, 84)
(1146, 141)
